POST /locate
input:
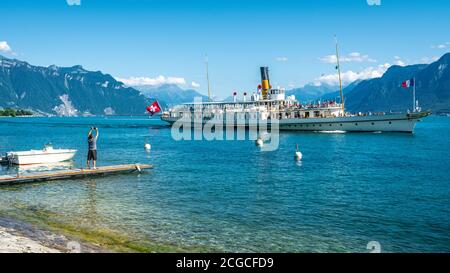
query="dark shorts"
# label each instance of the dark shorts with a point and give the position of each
(92, 155)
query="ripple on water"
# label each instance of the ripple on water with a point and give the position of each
(349, 189)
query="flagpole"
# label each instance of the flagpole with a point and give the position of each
(340, 79)
(414, 95)
(207, 79)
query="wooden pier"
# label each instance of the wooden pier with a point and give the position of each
(71, 174)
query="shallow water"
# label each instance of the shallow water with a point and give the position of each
(349, 189)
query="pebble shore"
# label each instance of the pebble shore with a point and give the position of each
(20, 237)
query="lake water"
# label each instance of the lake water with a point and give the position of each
(349, 189)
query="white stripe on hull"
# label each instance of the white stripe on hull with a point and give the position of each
(361, 126)
(384, 123)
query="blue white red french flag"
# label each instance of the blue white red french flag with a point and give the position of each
(408, 83)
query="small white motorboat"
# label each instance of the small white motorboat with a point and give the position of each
(46, 155)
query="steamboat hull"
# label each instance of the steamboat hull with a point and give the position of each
(370, 123)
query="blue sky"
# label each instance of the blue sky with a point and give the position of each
(159, 41)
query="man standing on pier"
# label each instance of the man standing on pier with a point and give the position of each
(92, 143)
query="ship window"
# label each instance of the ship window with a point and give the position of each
(340, 124)
(390, 122)
(320, 125)
(330, 124)
(373, 123)
(356, 124)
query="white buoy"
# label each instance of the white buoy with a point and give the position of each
(147, 146)
(298, 155)
(259, 142)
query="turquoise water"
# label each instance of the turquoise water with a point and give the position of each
(348, 190)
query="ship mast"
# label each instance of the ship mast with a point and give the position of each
(339, 74)
(207, 79)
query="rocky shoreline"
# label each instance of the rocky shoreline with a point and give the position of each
(20, 237)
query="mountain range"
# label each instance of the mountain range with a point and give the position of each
(311, 91)
(383, 94)
(306, 93)
(169, 94)
(432, 83)
(65, 91)
(335, 95)
(76, 91)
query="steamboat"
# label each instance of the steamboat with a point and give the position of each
(271, 106)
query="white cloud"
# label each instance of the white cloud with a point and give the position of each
(399, 61)
(373, 2)
(441, 46)
(351, 76)
(329, 59)
(352, 57)
(195, 85)
(139, 81)
(73, 2)
(5, 47)
(427, 60)
(282, 59)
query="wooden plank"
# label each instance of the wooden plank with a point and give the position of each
(71, 174)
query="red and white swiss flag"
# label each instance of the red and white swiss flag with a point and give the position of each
(154, 108)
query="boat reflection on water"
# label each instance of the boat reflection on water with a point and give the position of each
(21, 169)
